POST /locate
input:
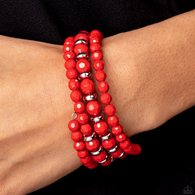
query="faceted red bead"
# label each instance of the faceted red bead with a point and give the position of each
(103, 87)
(71, 74)
(76, 136)
(135, 149)
(86, 129)
(86, 159)
(116, 130)
(105, 98)
(87, 86)
(108, 162)
(95, 40)
(73, 125)
(101, 127)
(81, 36)
(79, 107)
(100, 157)
(75, 96)
(73, 84)
(125, 144)
(110, 109)
(83, 65)
(80, 145)
(113, 120)
(69, 40)
(68, 47)
(85, 32)
(96, 33)
(108, 144)
(82, 153)
(82, 118)
(100, 75)
(69, 55)
(91, 165)
(93, 108)
(127, 150)
(116, 154)
(121, 137)
(98, 65)
(92, 145)
(95, 47)
(70, 63)
(81, 48)
(97, 55)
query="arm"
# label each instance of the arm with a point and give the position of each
(151, 77)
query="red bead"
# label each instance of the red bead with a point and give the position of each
(108, 162)
(68, 47)
(87, 86)
(116, 130)
(95, 40)
(97, 55)
(127, 150)
(75, 96)
(73, 125)
(79, 107)
(92, 164)
(93, 108)
(80, 145)
(82, 153)
(70, 63)
(82, 118)
(71, 74)
(105, 98)
(96, 33)
(101, 127)
(81, 36)
(121, 137)
(85, 32)
(76, 136)
(69, 55)
(100, 157)
(116, 154)
(83, 65)
(86, 159)
(81, 48)
(69, 40)
(108, 144)
(92, 145)
(135, 149)
(103, 87)
(95, 47)
(100, 75)
(86, 129)
(125, 144)
(98, 65)
(110, 109)
(113, 120)
(73, 84)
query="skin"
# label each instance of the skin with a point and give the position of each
(156, 69)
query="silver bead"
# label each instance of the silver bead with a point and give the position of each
(82, 55)
(97, 152)
(80, 41)
(106, 137)
(113, 149)
(121, 155)
(85, 75)
(104, 160)
(90, 97)
(112, 159)
(97, 118)
(74, 116)
(89, 138)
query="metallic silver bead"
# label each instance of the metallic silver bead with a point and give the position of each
(104, 160)
(74, 116)
(85, 75)
(90, 138)
(97, 152)
(82, 55)
(112, 159)
(97, 118)
(121, 155)
(113, 149)
(106, 137)
(80, 41)
(90, 97)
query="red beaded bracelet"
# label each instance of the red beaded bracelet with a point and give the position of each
(95, 145)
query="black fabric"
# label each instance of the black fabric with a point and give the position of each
(167, 162)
